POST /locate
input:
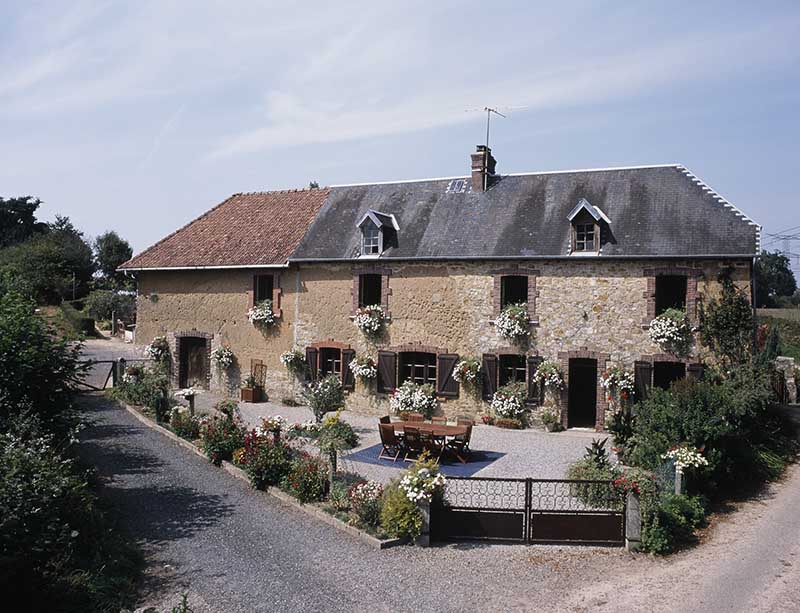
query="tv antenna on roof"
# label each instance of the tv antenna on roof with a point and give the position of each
(489, 110)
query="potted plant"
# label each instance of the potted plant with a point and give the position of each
(251, 391)
(370, 320)
(513, 322)
(411, 397)
(550, 421)
(364, 368)
(262, 315)
(294, 361)
(508, 405)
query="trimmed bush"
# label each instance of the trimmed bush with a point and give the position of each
(674, 523)
(399, 516)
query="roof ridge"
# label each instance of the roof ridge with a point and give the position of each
(282, 191)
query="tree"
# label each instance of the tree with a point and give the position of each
(110, 251)
(18, 220)
(774, 278)
(50, 265)
(313, 185)
(727, 322)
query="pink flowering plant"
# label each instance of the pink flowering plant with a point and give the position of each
(365, 501)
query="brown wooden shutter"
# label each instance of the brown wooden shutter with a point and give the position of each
(387, 371)
(535, 392)
(446, 385)
(696, 371)
(348, 378)
(311, 363)
(643, 379)
(276, 295)
(489, 371)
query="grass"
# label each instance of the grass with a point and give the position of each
(787, 321)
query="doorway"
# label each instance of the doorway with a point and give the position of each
(192, 367)
(582, 391)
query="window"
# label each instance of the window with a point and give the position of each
(369, 289)
(512, 369)
(330, 361)
(418, 367)
(370, 239)
(513, 290)
(584, 237)
(670, 293)
(262, 288)
(665, 373)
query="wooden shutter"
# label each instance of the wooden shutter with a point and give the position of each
(535, 392)
(445, 384)
(696, 371)
(643, 379)
(348, 378)
(276, 295)
(489, 370)
(387, 371)
(311, 363)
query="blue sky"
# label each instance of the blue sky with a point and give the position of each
(138, 116)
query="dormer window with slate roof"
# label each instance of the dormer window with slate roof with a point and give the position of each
(378, 233)
(587, 228)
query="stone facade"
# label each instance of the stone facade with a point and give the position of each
(587, 306)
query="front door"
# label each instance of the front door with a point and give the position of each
(192, 367)
(582, 393)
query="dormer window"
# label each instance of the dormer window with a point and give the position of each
(378, 233)
(587, 222)
(370, 239)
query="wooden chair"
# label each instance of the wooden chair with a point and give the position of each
(434, 445)
(439, 420)
(390, 445)
(385, 419)
(412, 443)
(415, 417)
(459, 444)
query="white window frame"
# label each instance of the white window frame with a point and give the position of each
(368, 243)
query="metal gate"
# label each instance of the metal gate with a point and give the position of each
(530, 511)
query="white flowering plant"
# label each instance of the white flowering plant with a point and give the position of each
(548, 375)
(294, 360)
(513, 322)
(508, 402)
(223, 357)
(262, 314)
(189, 392)
(158, 349)
(618, 384)
(672, 332)
(271, 423)
(365, 500)
(467, 371)
(411, 397)
(370, 319)
(685, 456)
(306, 429)
(364, 367)
(420, 484)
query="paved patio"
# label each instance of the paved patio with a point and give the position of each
(525, 453)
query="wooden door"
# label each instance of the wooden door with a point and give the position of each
(582, 409)
(193, 368)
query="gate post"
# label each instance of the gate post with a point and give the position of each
(424, 539)
(633, 522)
(527, 520)
(114, 374)
(120, 370)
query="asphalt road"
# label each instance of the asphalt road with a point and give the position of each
(234, 549)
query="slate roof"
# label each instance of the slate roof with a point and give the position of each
(655, 211)
(245, 230)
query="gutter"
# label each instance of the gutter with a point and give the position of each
(482, 258)
(233, 267)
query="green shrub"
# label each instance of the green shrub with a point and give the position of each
(338, 496)
(220, 437)
(307, 479)
(100, 304)
(399, 516)
(184, 424)
(228, 406)
(78, 320)
(265, 461)
(674, 523)
(150, 390)
(366, 500)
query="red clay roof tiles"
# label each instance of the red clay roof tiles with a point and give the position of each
(245, 230)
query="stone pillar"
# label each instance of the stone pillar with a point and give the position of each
(633, 522)
(786, 366)
(424, 539)
(680, 482)
(120, 371)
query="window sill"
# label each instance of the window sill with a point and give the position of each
(533, 322)
(386, 318)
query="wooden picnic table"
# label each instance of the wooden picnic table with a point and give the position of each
(437, 430)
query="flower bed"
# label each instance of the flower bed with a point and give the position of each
(413, 398)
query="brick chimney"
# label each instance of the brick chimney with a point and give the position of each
(483, 164)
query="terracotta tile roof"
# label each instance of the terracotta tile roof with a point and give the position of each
(244, 230)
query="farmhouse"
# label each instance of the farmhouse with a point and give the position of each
(590, 256)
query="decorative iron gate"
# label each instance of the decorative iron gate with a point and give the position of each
(530, 511)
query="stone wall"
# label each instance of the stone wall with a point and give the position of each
(593, 306)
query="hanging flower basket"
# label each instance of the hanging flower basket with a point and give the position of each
(370, 319)
(158, 349)
(413, 398)
(549, 376)
(508, 402)
(467, 371)
(513, 322)
(618, 384)
(672, 332)
(364, 367)
(261, 314)
(294, 361)
(223, 357)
